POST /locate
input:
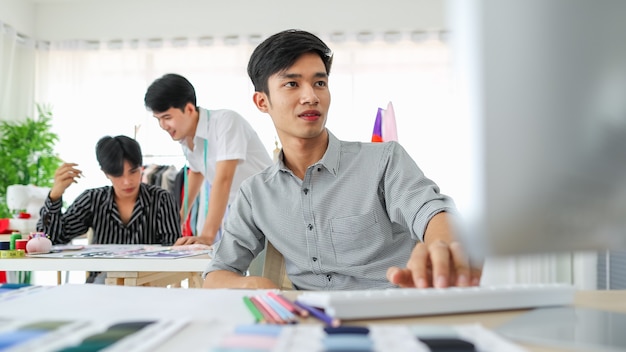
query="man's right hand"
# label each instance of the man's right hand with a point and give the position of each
(194, 239)
(64, 176)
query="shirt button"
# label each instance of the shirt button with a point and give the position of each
(319, 169)
(306, 191)
(314, 259)
(310, 227)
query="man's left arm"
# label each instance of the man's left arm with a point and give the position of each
(438, 261)
(218, 200)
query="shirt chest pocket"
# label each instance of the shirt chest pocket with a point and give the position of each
(356, 239)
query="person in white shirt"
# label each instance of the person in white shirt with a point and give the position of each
(220, 146)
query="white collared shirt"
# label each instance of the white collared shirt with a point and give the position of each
(228, 136)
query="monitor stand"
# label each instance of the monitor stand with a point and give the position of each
(581, 329)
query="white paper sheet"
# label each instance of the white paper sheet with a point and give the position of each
(86, 302)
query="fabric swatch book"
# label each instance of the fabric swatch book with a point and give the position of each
(138, 319)
(124, 251)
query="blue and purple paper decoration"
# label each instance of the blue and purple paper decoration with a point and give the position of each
(377, 135)
(385, 129)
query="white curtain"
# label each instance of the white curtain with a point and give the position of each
(17, 75)
(97, 89)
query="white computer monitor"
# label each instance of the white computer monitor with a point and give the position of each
(543, 84)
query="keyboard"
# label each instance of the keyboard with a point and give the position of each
(401, 302)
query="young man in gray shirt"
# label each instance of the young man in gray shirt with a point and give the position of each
(345, 215)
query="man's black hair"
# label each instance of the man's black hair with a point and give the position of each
(111, 153)
(170, 91)
(279, 52)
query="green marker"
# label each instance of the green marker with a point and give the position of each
(258, 317)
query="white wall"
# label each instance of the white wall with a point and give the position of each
(18, 14)
(129, 19)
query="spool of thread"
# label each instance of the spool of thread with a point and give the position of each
(14, 237)
(5, 245)
(21, 244)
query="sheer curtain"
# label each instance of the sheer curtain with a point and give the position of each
(97, 88)
(17, 77)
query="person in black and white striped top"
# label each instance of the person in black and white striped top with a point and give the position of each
(128, 212)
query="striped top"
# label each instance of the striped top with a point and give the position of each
(155, 218)
(358, 211)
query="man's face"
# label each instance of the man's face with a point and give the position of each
(178, 123)
(298, 99)
(127, 185)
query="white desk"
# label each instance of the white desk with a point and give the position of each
(121, 271)
(207, 310)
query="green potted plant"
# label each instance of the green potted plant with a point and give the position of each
(27, 154)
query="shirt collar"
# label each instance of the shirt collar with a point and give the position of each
(108, 197)
(330, 160)
(142, 197)
(278, 165)
(202, 129)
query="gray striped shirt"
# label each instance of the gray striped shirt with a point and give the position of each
(155, 218)
(358, 211)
